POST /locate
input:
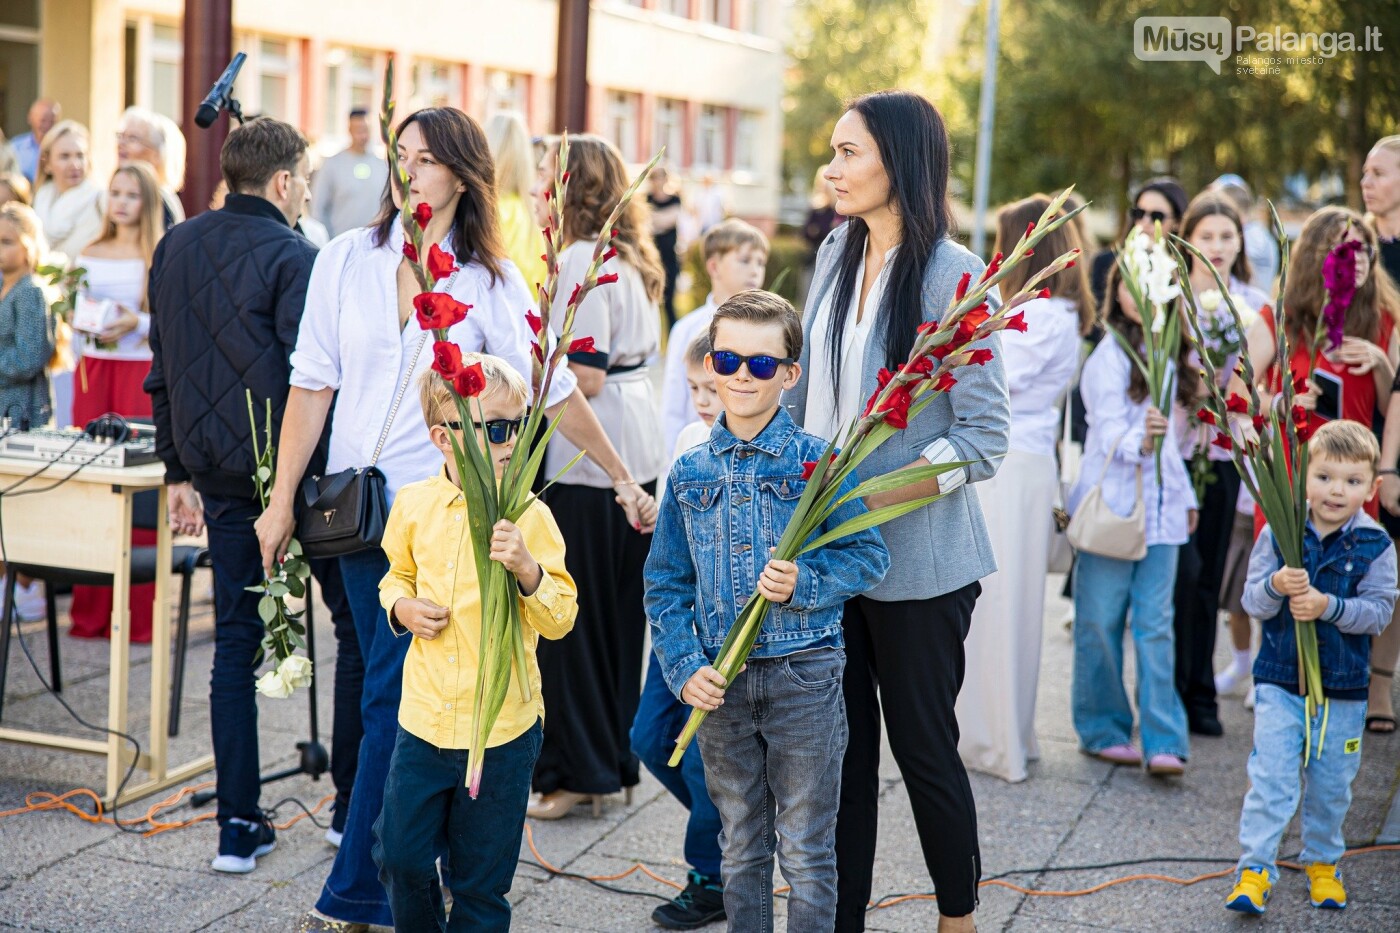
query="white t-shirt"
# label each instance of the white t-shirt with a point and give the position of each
(677, 410)
(122, 281)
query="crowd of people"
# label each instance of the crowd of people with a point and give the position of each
(295, 287)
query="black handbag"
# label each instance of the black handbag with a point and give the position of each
(345, 513)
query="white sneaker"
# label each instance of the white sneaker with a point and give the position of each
(30, 603)
(334, 837)
(1249, 697)
(1230, 678)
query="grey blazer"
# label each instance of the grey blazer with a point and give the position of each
(943, 546)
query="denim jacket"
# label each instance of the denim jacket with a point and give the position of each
(1355, 567)
(726, 503)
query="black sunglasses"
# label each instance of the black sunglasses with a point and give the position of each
(1158, 217)
(762, 366)
(498, 430)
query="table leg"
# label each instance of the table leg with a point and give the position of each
(160, 645)
(121, 649)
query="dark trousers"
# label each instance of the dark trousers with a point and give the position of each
(910, 655)
(592, 680)
(238, 630)
(671, 263)
(428, 810)
(1200, 567)
(347, 726)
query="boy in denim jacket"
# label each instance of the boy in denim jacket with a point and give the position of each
(778, 743)
(1347, 591)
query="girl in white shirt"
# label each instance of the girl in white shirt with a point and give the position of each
(115, 362)
(996, 706)
(1124, 431)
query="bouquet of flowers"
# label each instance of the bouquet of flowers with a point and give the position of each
(1268, 444)
(502, 645)
(1222, 341)
(1339, 278)
(941, 347)
(284, 631)
(1149, 273)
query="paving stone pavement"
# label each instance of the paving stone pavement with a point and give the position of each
(60, 873)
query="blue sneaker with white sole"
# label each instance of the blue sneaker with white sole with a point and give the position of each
(242, 843)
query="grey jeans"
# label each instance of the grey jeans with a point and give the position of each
(773, 756)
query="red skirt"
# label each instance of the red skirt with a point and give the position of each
(101, 386)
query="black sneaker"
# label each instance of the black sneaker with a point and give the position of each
(700, 903)
(241, 842)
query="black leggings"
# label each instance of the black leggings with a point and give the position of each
(910, 654)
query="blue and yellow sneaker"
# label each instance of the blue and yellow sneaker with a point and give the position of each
(1325, 886)
(1251, 892)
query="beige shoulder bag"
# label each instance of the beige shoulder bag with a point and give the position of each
(1097, 529)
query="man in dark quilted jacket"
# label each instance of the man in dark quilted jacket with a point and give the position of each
(226, 291)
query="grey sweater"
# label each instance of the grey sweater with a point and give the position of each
(347, 190)
(943, 546)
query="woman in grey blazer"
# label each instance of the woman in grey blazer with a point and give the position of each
(888, 269)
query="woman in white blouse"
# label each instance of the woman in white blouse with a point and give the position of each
(996, 707)
(66, 198)
(357, 342)
(115, 361)
(592, 683)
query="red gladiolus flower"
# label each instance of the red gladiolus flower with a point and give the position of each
(1300, 414)
(1236, 403)
(539, 353)
(1017, 322)
(963, 283)
(1300, 385)
(447, 359)
(409, 251)
(534, 320)
(980, 357)
(1258, 422)
(974, 318)
(610, 254)
(573, 298)
(1223, 441)
(896, 408)
(582, 345)
(438, 310)
(1206, 416)
(945, 383)
(1044, 292)
(470, 382)
(441, 263)
(607, 279)
(883, 377)
(422, 214)
(923, 365)
(1030, 228)
(993, 267)
(810, 466)
(1305, 431)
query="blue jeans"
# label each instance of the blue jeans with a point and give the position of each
(1280, 725)
(1105, 589)
(427, 810)
(353, 893)
(660, 719)
(773, 756)
(238, 630)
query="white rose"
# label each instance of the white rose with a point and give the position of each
(1210, 300)
(273, 684)
(296, 671)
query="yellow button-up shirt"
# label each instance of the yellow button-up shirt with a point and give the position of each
(429, 546)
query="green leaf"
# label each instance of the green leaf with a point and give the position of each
(869, 520)
(294, 548)
(267, 609)
(277, 590)
(898, 479)
(264, 473)
(296, 587)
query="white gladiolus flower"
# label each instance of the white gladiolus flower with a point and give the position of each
(1210, 300)
(296, 671)
(273, 684)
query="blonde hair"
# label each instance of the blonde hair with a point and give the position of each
(51, 138)
(31, 231)
(509, 140)
(502, 380)
(1346, 442)
(732, 234)
(151, 224)
(19, 187)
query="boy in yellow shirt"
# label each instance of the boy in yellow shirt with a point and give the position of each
(431, 592)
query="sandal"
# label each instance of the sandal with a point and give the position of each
(1386, 723)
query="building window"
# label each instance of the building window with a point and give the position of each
(438, 84)
(674, 7)
(621, 127)
(749, 17)
(505, 91)
(167, 53)
(352, 82)
(669, 129)
(709, 138)
(746, 142)
(716, 11)
(275, 64)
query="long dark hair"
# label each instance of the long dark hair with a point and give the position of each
(458, 142)
(913, 146)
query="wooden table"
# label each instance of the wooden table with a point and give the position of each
(85, 524)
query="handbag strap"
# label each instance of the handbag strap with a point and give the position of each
(326, 497)
(1108, 460)
(407, 378)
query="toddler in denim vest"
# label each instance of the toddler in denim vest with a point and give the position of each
(774, 739)
(1347, 591)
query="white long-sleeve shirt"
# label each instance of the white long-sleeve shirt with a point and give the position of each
(1040, 364)
(1116, 432)
(677, 411)
(350, 341)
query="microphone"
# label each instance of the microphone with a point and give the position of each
(218, 96)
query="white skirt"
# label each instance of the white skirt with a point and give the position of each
(996, 707)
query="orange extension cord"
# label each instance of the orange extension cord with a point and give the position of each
(41, 800)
